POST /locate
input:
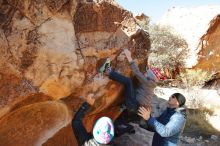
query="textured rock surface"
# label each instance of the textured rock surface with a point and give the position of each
(23, 126)
(209, 56)
(210, 52)
(50, 51)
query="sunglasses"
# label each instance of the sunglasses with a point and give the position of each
(173, 96)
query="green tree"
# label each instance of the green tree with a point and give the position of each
(167, 49)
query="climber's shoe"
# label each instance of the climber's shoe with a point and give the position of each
(106, 66)
(123, 129)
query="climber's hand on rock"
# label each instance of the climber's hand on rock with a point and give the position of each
(128, 55)
(144, 112)
(90, 99)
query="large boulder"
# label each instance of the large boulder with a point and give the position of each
(33, 124)
(209, 56)
(51, 51)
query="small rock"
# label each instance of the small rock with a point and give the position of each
(199, 139)
(190, 140)
(121, 57)
(206, 141)
(200, 144)
(214, 137)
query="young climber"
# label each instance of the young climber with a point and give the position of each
(134, 97)
(103, 130)
(169, 125)
(143, 93)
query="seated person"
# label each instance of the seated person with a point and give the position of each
(103, 130)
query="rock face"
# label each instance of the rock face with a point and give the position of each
(210, 52)
(190, 23)
(24, 125)
(209, 56)
(51, 51)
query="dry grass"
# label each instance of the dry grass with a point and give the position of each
(198, 125)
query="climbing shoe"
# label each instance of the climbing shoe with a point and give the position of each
(123, 129)
(106, 66)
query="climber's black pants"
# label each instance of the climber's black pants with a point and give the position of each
(130, 99)
(130, 114)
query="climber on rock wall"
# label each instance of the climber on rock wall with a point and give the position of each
(141, 95)
(103, 130)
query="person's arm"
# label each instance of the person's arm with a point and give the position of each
(135, 70)
(81, 112)
(144, 124)
(78, 128)
(140, 76)
(145, 114)
(175, 125)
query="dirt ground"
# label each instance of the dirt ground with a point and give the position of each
(144, 138)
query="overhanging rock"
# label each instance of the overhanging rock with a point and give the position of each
(51, 50)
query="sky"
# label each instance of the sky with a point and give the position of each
(156, 8)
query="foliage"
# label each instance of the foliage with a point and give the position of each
(194, 78)
(197, 120)
(168, 50)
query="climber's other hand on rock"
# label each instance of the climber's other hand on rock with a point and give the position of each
(90, 99)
